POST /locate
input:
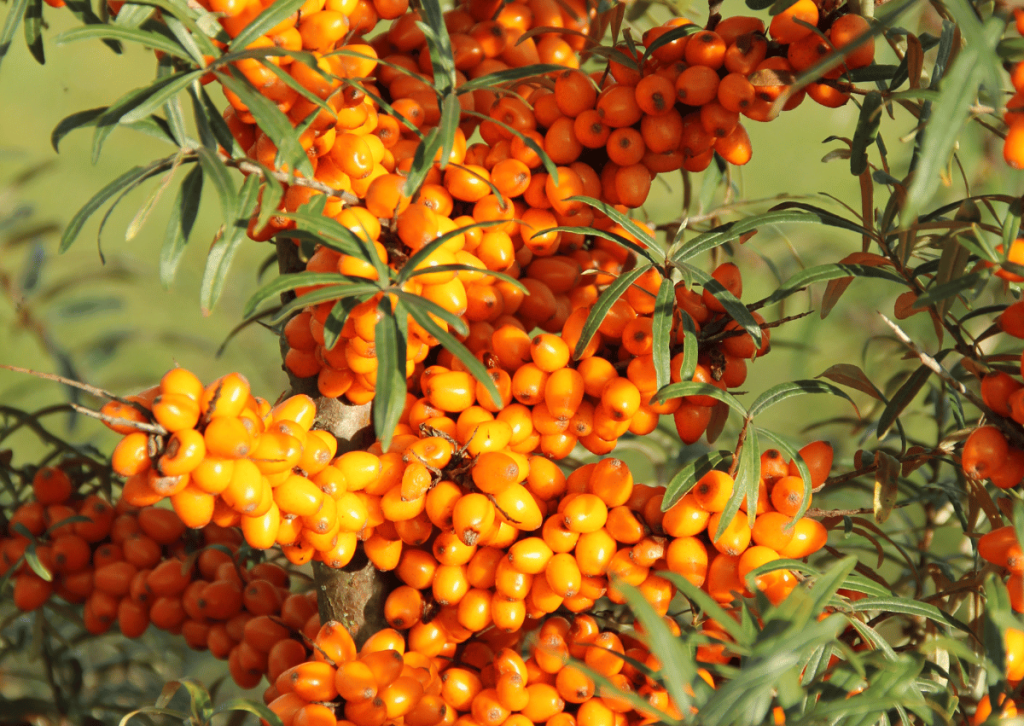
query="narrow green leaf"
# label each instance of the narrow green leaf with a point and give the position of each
(33, 31)
(170, 87)
(111, 118)
(74, 121)
(946, 291)
(254, 707)
(907, 606)
(509, 75)
(740, 490)
(604, 303)
(693, 388)
(828, 583)
(222, 252)
(272, 15)
(199, 699)
(1011, 225)
(176, 121)
(661, 331)
(273, 192)
(126, 181)
(789, 389)
(439, 45)
(794, 455)
(217, 173)
(392, 335)
(422, 161)
(335, 322)
(549, 165)
(415, 307)
(787, 213)
(707, 605)
(736, 310)
(748, 474)
(690, 348)
(826, 272)
(604, 234)
(958, 92)
(15, 13)
(687, 477)
(645, 240)
(424, 252)
(32, 560)
(665, 38)
(867, 130)
(132, 15)
(271, 120)
(469, 268)
(677, 669)
(146, 38)
(188, 38)
(331, 292)
(294, 280)
(326, 231)
(902, 398)
(451, 114)
(179, 226)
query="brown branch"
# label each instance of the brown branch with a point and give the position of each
(244, 165)
(353, 595)
(149, 428)
(1010, 432)
(98, 392)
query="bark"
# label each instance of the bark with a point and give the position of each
(355, 594)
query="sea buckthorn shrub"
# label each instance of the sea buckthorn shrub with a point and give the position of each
(456, 197)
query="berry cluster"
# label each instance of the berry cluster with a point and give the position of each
(231, 459)
(390, 680)
(599, 525)
(67, 552)
(608, 132)
(140, 567)
(548, 402)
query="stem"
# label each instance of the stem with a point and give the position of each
(353, 595)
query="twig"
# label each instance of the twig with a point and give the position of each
(299, 181)
(931, 363)
(935, 366)
(98, 392)
(30, 420)
(821, 513)
(149, 428)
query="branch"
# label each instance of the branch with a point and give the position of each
(149, 428)
(244, 165)
(98, 392)
(998, 421)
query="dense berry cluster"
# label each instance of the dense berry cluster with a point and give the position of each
(608, 133)
(550, 400)
(491, 684)
(134, 568)
(234, 460)
(466, 575)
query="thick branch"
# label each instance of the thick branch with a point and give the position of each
(355, 594)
